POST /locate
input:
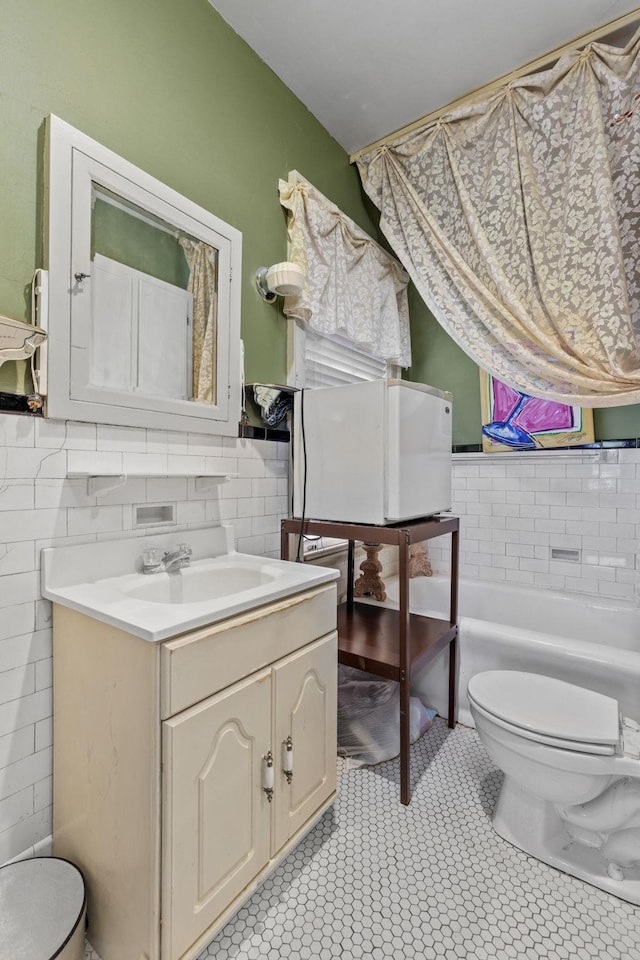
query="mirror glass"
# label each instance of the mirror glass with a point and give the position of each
(144, 296)
(154, 292)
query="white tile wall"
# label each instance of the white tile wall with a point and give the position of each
(516, 508)
(39, 507)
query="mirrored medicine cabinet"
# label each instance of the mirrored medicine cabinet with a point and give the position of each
(144, 296)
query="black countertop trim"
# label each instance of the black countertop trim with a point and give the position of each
(249, 432)
(27, 405)
(21, 403)
(632, 443)
(24, 404)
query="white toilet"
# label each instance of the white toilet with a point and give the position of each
(571, 793)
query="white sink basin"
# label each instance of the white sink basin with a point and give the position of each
(206, 580)
(98, 579)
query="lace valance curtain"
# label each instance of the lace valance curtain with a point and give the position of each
(353, 287)
(518, 219)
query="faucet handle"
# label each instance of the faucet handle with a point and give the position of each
(151, 560)
(186, 551)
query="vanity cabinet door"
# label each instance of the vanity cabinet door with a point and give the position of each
(305, 698)
(216, 817)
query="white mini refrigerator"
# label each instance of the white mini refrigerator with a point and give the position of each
(375, 452)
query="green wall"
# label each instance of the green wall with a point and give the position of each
(124, 238)
(439, 361)
(170, 87)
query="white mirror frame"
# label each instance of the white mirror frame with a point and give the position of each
(73, 161)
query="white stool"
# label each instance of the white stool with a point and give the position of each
(42, 910)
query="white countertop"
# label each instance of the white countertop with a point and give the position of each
(104, 580)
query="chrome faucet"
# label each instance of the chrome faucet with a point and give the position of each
(170, 562)
(173, 560)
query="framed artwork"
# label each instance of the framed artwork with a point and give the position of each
(516, 421)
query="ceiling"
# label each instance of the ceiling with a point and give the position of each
(365, 68)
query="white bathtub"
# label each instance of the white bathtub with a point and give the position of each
(590, 642)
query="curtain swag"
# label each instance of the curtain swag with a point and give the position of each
(353, 287)
(202, 262)
(518, 219)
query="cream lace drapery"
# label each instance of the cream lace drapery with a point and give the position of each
(353, 287)
(518, 220)
(202, 260)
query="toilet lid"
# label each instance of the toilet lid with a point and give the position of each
(547, 706)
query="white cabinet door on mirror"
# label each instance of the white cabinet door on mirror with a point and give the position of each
(305, 690)
(216, 816)
(103, 209)
(140, 335)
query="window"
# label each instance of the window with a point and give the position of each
(323, 361)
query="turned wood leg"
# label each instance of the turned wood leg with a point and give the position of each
(369, 583)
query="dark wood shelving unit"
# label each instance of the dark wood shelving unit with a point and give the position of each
(390, 643)
(368, 639)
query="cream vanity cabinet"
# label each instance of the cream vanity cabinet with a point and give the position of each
(164, 759)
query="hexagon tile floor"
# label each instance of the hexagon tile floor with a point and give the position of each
(378, 880)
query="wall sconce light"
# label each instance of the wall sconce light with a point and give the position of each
(281, 280)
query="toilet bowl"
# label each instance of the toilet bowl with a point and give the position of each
(571, 792)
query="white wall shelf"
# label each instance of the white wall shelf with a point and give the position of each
(105, 482)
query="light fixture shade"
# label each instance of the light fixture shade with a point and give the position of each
(285, 279)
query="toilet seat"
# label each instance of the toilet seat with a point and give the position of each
(570, 801)
(546, 710)
(596, 749)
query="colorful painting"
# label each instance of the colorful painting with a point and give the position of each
(516, 421)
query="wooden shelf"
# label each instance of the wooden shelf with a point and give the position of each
(389, 643)
(368, 639)
(422, 528)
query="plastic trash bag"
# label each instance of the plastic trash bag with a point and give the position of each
(369, 717)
